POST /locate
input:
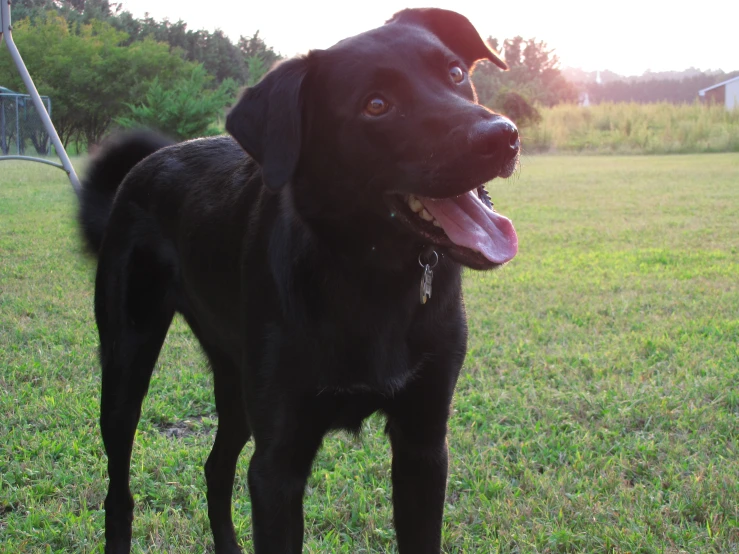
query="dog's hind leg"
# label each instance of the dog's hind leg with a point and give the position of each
(220, 469)
(133, 312)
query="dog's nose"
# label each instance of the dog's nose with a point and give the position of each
(494, 136)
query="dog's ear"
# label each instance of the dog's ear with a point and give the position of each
(266, 121)
(454, 30)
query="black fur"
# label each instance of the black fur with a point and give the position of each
(295, 274)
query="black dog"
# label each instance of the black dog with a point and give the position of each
(321, 272)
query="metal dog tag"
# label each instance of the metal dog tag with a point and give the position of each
(426, 280)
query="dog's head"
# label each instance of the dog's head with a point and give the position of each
(385, 126)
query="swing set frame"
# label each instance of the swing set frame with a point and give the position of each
(66, 165)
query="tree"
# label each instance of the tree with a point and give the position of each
(74, 11)
(94, 60)
(533, 79)
(259, 57)
(87, 71)
(512, 51)
(221, 58)
(256, 70)
(254, 46)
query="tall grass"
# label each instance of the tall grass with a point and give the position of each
(630, 128)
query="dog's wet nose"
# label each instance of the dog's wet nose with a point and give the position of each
(513, 140)
(495, 136)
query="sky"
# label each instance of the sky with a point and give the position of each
(625, 36)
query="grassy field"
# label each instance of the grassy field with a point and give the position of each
(598, 410)
(631, 128)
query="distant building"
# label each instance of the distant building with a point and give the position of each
(584, 97)
(726, 93)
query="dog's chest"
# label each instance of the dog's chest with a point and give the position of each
(351, 336)
(336, 358)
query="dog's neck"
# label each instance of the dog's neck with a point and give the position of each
(364, 250)
(362, 239)
(365, 244)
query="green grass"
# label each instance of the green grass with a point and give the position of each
(631, 128)
(598, 409)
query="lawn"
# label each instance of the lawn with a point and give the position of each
(598, 409)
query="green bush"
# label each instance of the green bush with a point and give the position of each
(183, 110)
(516, 107)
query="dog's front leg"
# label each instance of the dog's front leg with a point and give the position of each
(287, 435)
(417, 425)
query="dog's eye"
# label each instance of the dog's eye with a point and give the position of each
(456, 73)
(376, 105)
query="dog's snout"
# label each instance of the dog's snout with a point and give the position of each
(495, 136)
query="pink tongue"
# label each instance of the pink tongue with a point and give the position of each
(469, 223)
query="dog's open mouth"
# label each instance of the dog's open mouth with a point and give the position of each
(466, 226)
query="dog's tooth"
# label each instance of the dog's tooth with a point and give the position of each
(415, 204)
(436, 223)
(426, 215)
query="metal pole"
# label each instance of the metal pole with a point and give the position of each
(18, 127)
(48, 138)
(2, 124)
(40, 108)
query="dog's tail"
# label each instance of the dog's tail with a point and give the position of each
(107, 169)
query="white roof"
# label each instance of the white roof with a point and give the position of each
(722, 83)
